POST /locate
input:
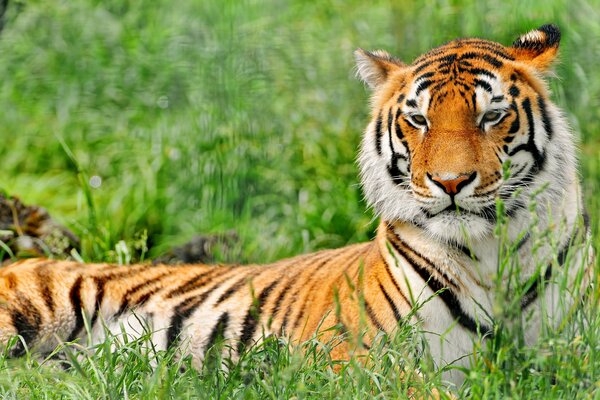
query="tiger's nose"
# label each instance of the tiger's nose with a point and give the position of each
(452, 185)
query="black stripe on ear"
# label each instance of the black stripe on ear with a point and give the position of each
(538, 43)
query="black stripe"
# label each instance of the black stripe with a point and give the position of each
(134, 290)
(387, 269)
(496, 51)
(427, 261)
(391, 303)
(545, 117)
(185, 309)
(411, 103)
(423, 65)
(236, 286)
(481, 71)
(398, 129)
(516, 124)
(180, 314)
(291, 306)
(372, 317)
(390, 121)
(77, 305)
(218, 331)
(522, 242)
(481, 56)
(100, 284)
(445, 60)
(473, 100)
(538, 157)
(400, 99)
(533, 291)
(378, 133)
(349, 262)
(253, 316)
(196, 282)
(514, 91)
(486, 45)
(465, 250)
(447, 296)
(483, 84)
(45, 282)
(282, 294)
(424, 76)
(586, 220)
(27, 320)
(422, 86)
(393, 169)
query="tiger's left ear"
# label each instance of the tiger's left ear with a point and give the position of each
(375, 67)
(538, 47)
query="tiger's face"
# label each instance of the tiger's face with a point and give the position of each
(445, 127)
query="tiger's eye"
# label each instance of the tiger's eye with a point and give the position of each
(491, 116)
(418, 119)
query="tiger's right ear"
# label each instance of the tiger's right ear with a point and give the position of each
(374, 68)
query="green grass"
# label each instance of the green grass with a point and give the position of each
(207, 116)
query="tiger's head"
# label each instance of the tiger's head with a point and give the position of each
(443, 127)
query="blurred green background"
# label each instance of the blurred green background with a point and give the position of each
(217, 115)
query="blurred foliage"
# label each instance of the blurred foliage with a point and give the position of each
(207, 116)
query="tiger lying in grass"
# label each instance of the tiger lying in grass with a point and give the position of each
(463, 126)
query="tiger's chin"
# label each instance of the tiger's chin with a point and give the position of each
(454, 227)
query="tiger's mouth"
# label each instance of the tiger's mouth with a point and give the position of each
(461, 210)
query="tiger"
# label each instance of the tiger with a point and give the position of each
(461, 138)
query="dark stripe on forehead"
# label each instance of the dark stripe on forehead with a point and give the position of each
(422, 86)
(481, 71)
(484, 85)
(426, 62)
(496, 50)
(425, 75)
(411, 103)
(483, 57)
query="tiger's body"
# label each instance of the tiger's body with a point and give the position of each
(432, 167)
